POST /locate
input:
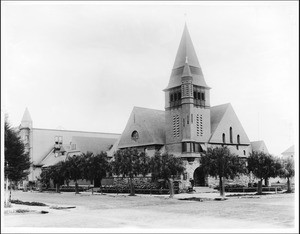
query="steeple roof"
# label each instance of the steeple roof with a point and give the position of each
(26, 120)
(186, 52)
(186, 70)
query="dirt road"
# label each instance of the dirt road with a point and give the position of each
(154, 212)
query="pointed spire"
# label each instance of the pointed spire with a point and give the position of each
(186, 49)
(186, 55)
(186, 70)
(26, 120)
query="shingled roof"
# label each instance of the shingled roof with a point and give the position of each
(259, 146)
(150, 126)
(93, 144)
(186, 52)
(216, 115)
(26, 119)
(290, 150)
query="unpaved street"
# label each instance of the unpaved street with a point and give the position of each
(148, 212)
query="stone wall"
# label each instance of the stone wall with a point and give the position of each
(242, 180)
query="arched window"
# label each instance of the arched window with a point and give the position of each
(171, 97)
(223, 137)
(244, 152)
(230, 134)
(238, 139)
(135, 135)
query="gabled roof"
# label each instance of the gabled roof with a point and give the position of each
(93, 144)
(290, 150)
(150, 126)
(216, 114)
(186, 52)
(51, 159)
(224, 118)
(113, 149)
(26, 121)
(259, 146)
(83, 145)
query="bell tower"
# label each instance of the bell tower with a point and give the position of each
(187, 103)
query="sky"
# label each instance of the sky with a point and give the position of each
(85, 65)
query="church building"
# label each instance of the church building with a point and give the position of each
(189, 124)
(186, 128)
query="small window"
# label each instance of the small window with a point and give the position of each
(203, 96)
(230, 134)
(183, 122)
(198, 94)
(238, 139)
(171, 97)
(244, 152)
(223, 137)
(175, 96)
(187, 119)
(179, 96)
(195, 95)
(192, 118)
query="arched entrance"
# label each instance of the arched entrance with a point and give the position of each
(199, 177)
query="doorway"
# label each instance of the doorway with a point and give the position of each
(199, 177)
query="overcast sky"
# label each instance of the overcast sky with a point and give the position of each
(80, 66)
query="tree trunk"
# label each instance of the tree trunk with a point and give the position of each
(259, 187)
(267, 182)
(101, 187)
(132, 193)
(76, 187)
(57, 188)
(221, 185)
(171, 188)
(7, 202)
(9, 199)
(289, 189)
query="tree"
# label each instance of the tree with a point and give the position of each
(219, 162)
(95, 167)
(263, 166)
(73, 168)
(57, 173)
(129, 162)
(17, 161)
(45, 177)
(288, 171)
(166, 167)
